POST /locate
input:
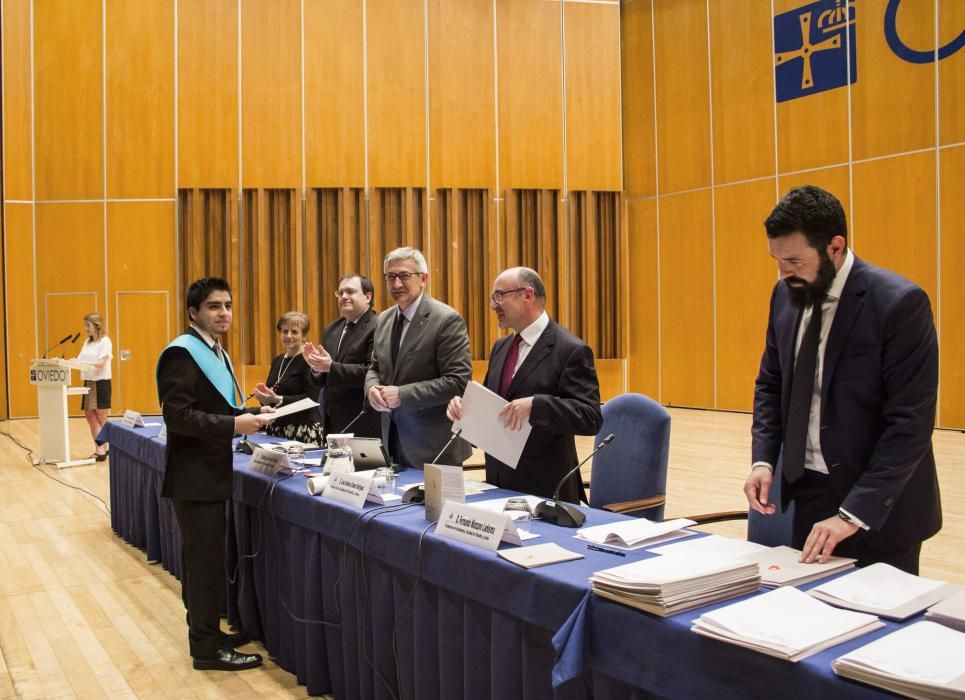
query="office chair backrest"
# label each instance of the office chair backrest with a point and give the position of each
(634, 465)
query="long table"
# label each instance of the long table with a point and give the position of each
(375, 605)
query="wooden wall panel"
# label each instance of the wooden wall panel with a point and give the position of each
(68, 99)
(139, 231)
(686, 300)
(271, 100)
(823, 145)
(592, 69)
(741, 60)
(745, 276)
(951, 76)
(396, 86)
(530, 76)
(951, 411)
(17, 134)
(140, 98)
(642, 315)
(894, 217)
(612, 375)
(462, 112)
(334, 94)
(893, 101)
(683, 95)
(137, 346)
(207, 75)
(639, 149)
(20, 317)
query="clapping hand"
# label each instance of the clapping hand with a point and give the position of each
(265, 395)
(317, 357)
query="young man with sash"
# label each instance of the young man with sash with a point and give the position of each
(202, 407)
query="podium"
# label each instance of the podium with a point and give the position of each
(52, 379)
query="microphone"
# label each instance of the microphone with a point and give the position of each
(58, 344)
(566, 514)
(354, 420)
(74, 339)
(417, 494)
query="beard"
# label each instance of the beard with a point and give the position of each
(803, 293)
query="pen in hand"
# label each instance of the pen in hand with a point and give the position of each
(595, 548)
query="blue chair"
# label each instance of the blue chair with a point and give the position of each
(630, 475)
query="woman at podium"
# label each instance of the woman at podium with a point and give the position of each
(99, 351)
(290, 380)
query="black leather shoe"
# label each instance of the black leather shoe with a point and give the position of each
(227, 660)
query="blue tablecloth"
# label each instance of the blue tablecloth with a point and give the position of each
(329, 590)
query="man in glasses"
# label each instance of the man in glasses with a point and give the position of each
(420, 360)
(341, 361)
(548, 376)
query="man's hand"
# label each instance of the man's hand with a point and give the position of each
(454, 409)
(317, 357)
(515, 414)
(248, 423)
(390, 394)
(376, 400)
(756, 488)
(824, 537)
(265, 395)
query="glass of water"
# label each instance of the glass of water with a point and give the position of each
(518, 509)
(386, 475)
(296, 453)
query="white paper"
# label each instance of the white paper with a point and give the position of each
(538, 555)
(485, 430)
(712, 545)
(635, 533)
(268, 462)
(442, 483)
(317, 484)
(923, 652)
(659, 571)
(786, 619)
(475, 526)
(132, 419)
(288, 409)
(879, 586)
(351, 489)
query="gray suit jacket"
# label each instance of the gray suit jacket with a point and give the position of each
(434, 364)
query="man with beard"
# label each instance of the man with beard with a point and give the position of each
(846, 395)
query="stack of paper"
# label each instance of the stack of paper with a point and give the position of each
(712, 546)
(671, 584)
(785, 623)
(949, 612)
(883, 590)
(781, 566)
(636, 533)
(923, 660)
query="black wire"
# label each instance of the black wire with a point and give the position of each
(36, 465)
(233, 578)
(402, 610)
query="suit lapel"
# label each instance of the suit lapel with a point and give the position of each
(544, 345)
(496, 362)
(357, 333)
(849, 307)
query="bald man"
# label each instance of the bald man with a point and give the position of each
(547, 375)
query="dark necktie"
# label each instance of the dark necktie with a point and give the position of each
(509, 368)
(802, 390)
(343, 341)
(397, 335)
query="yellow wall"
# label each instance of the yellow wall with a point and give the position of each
(112, 106)
(708, 150)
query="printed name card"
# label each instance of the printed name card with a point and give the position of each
(351, 489)
(163, 435)
(268, 462)
(476, 526)
(132, 419)
(442, 483)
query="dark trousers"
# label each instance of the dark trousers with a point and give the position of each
(202, 525)
(395, 449)
(815, 500)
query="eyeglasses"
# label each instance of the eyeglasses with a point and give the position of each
(346, 291)
(404, 277)
(497, 297)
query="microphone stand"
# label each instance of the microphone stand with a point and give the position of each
(566, 514)
(417, 494)
(55, 345)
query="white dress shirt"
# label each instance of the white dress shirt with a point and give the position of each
(528, 337)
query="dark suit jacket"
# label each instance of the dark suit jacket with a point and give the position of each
(878, 394)
(560, 374)
(345, 382)
(200, 427)
(434, 364)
